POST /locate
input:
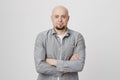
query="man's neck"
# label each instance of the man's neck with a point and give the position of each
(60, 32)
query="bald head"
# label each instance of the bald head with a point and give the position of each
(60, 9)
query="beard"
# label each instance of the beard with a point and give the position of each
(60, 28)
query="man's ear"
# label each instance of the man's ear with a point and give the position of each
(51, 18)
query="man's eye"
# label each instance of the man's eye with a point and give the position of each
(56, 16)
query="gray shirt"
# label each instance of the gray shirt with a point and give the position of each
(48, 45)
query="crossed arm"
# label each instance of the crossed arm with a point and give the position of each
(53, 62)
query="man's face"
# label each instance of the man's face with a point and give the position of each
(60, 18)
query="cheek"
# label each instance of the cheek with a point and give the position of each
(54, 22)
(65, 22)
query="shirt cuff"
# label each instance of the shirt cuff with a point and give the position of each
(60, 65)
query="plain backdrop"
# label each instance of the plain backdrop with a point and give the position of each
(97, 20)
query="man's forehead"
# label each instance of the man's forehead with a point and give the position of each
(58, 11)
(59, 15)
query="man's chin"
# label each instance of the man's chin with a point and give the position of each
(60, 28)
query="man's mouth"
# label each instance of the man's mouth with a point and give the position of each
(60, 24)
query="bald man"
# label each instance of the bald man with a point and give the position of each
(59, 52)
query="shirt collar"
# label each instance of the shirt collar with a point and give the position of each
(67, 32)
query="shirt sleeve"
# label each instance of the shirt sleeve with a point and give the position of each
(39, 57)
(74, 65)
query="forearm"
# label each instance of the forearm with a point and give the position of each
(40, 63)
(72, 65)
(45, 68)
(69, 66)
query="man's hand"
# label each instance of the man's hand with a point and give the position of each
(74, 57)
(52, 62)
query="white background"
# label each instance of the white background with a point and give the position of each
(97, 20)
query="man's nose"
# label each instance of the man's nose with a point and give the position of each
(59, 19)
